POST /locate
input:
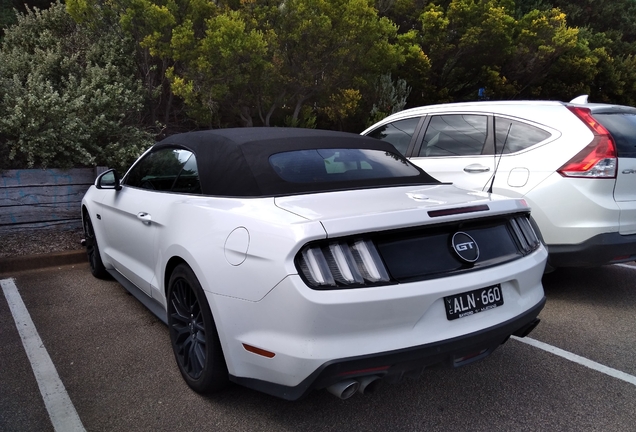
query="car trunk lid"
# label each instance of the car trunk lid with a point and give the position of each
(367, 210)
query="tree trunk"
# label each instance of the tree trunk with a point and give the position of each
(299, 105)
(246, 116)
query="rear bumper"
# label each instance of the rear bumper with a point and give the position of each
(599, 250)
(393, 365)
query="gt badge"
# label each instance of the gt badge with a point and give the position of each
(465, 247)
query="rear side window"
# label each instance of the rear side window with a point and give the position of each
(623, 130)
(340, 165)
(398, 133)
(455, 135)
(513, 136)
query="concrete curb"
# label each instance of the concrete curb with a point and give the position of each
(34, 262)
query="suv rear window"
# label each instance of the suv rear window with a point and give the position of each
(513, 136)
(623, 130)
(338, 165)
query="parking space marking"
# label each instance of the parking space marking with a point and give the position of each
(626, 266)
(58, 404)
(578, 359)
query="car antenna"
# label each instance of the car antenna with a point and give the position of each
(492, 181)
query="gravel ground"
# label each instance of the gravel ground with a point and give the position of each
(39, 241)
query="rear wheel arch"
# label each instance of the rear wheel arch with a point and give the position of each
(85, 213)
(170, 266)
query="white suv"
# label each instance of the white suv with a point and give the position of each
(574, 163)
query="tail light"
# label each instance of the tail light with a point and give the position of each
(525, 235)
(336, 264)
(597, 159)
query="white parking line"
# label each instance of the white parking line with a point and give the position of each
(61, 410)
(578, 359)
(626, 266)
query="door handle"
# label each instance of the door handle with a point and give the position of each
(476, 168)
(144, 217)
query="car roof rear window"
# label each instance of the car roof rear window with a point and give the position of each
(341, 165)
(622, 126)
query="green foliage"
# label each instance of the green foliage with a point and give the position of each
(609, 27)
(86, 89)
(390, 97)
(466, 42)
(613, 17)
(218, 67)
(342, 105)
(543, 42)
(234, 60)
(66, 101)
(7, 15)
(8, 9)
(491, 44)
(307, 119)
(325, 46)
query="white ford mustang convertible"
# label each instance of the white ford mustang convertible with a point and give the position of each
(288, 260)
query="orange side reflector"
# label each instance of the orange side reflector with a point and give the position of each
(258, 351)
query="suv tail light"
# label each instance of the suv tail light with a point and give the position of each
(597, 159)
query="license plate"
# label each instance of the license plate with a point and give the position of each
(472, 302)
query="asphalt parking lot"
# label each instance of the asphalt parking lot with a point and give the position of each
(115, 365)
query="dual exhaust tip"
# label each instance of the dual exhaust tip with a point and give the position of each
(347, 388)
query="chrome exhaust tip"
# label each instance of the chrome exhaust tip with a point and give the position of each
(369, 384)
(344, 389)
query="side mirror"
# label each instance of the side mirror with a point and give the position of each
(108, 180)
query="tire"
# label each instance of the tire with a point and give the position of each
(92, 250)
(193, 334)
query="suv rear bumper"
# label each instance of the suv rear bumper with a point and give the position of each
(393, 365)
(602, 249)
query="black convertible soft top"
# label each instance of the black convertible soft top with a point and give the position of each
(236, 162)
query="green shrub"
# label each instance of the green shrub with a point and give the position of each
(68, 98)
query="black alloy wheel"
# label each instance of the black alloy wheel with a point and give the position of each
(194, 337)
(92, 250)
